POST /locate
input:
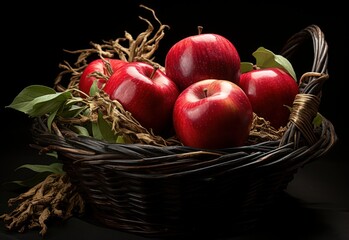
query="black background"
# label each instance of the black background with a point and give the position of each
(33, 39)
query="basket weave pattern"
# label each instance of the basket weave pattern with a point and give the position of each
(158, 191)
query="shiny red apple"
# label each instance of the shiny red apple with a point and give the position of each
(271, 91)
(202, 56)
(98, 70)
(146, 92)
(212, 114)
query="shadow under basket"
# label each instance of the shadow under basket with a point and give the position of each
(177, 190)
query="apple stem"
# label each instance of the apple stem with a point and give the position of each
(200, 29)
(155, 67)
(205, 92)
(255, 67)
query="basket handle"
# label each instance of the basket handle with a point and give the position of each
(306, 104)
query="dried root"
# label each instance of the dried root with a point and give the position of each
(141, 49)
(124, 123)
(55, 197)
(262, 131)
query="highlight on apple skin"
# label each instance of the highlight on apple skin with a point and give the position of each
(202, 56)
(271, 92)
(146, 92)
(212, 114)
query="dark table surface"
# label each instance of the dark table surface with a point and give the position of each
(316, 203)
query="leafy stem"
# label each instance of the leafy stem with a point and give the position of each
(265, 59)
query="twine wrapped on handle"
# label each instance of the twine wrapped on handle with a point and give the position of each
(304, 110)
(307, 102)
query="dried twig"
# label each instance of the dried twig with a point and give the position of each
(122, 122)
(141, 49)
(55, 197)
(262, 131)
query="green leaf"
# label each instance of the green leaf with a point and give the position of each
(73, 101)
(48, 103)
(53, 154)
(80, 130)
(72, 111)
(50, 119)
(42, 171)
(103, 130)
(266, 58)
(120, 139)
(246, 67)
(52, 168)
(30, 182)
(27, 95)
(71, 108)
(96, 132)
(317, 121)
(94, 88)
(106, 129)
(37, 100)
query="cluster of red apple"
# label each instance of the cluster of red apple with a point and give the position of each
(201, 94)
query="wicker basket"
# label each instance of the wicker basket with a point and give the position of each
(168, 191)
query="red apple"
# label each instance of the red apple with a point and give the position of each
(146, 92)
(200, 57)
(270, 91)
(100, 67)
(212, 114)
